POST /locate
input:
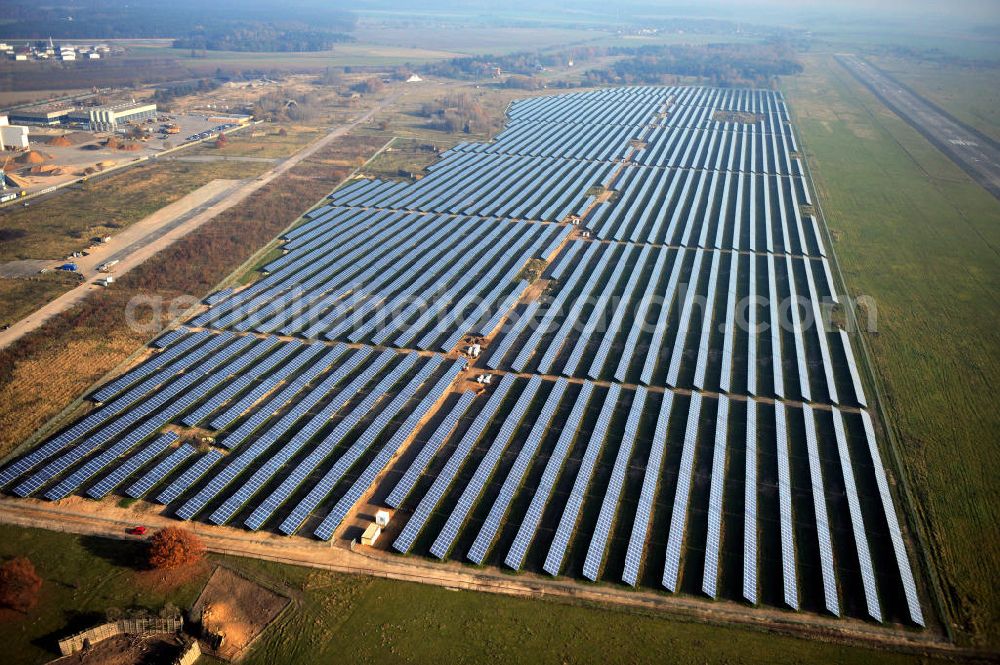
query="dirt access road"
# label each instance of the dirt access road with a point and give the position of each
(105, 519)
(166, 226)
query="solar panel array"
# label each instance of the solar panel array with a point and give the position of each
(643, 423)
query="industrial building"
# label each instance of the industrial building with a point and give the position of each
(12, 137)
(41, 115)
(109, 118)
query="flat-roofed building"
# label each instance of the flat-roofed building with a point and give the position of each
(109, 118)
(12, 137)
(41, 115)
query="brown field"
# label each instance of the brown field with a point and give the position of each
(20, 297)
(66, 222)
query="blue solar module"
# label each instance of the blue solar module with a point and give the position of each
(426, 454)
(242, 363)
(532, 517)
(857, 520)
(429, 502)
(773, 300)
(788, 564)
(96, 464)
(470, 495)
(276, 460)
(322, 488)
(750, 508)
(168, 338)
(640, 322)
(618, 318)
(852, 366)
(285, 369)
(798, 334)
(609, 506)
(895, 534)
(516, 474)
(149, 479)
(831, 600)
(238, 463)
(660, 330)
(729, 329)
(710, 579)
(330, 523)
(189, 477)
(571, 511)
(678, 518)
(152, 364)
(650, 479)
(262, 413)
(131, 464)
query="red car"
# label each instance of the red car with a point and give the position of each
(136, 531)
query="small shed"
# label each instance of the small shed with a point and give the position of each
(382, 518)
(371, 534)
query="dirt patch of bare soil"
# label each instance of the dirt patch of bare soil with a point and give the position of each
(235, 609)
(127, 650)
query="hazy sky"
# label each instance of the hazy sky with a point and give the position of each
(963, 10)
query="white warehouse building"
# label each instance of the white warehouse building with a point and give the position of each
(12, 137)
(108, 118)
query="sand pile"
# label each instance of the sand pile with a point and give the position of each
(33, 157)
(77, 138)
(60, 141)
(45, 170)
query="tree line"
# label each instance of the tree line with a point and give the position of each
(727, 64)
(264, 38)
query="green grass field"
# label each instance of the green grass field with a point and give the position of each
(376, 620)
(915, 233)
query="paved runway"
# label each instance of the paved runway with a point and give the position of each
(975, 153)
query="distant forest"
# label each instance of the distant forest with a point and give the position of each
(264, 38)
(111, 19)
(716, 64)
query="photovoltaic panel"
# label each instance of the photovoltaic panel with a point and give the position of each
(678, 518)
(571, 511)
(895, 534)
(750, 508)
(788, 565)
(529, 525)
(609, 506)
(146, 482)
(191, 475)
(831, 600)
(470, 495)
(710, 579)
(429, 502)
(330, 523)
(650, 479)
(515, 476)
(426, 454)
(131, 464)
(857, 520)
